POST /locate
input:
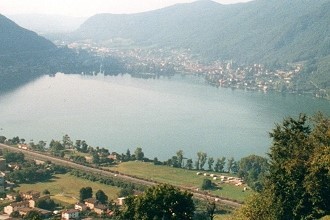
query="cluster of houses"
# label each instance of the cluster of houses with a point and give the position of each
(88, 204)
(30, 198)
(26, 205)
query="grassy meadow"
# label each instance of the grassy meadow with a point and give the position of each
(64, 188)
(178, 177)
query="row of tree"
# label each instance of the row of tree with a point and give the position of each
(217, 165)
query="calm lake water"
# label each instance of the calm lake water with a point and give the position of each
(160, 115)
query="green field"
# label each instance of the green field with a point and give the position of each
(65, 188)
(177, 177)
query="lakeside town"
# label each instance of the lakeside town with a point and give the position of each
(154, 62)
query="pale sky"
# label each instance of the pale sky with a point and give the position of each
(86, 8)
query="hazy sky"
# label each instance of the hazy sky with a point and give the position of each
(85, 8)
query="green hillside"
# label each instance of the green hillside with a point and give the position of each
(263, 31)
(14, 39)
(24, 56)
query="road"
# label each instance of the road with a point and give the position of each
(63, 162)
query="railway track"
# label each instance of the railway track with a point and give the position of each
(107, 173)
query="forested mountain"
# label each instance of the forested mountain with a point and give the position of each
(271, 32)
(254, 31)
(24, 56)
(14, 39)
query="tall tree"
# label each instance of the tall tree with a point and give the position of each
(179, 155)
(96, 158)
(210, 162)
(189, 164)
(128, 155)
(203, 160)
(253, 169)
(2, 139)
(41, 146)
(230, 164)
(85, 193)
(84, 147)
(235, 167)
(139, 153)
(297, 186)
(159, 202)
(197, 162)
(46, 203)
(78, 145)
(101, 197)
(56, 146)
(67, 143)
(220, 165)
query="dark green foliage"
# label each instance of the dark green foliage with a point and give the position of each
(30, 174)
(107, 180)
(159, 202)
(179, 156)
(46, 192)
(3, 195)
(210, 162)
(78, 159)
(207, 184)
(297, 186)
(252, 169)
(15, 214)
(189, 164)
(138, 153)
(2, 139)
(12, 157)
(124, 192)
(230, 164)
(85, 193)
(15, 140)
(33, 215)
(56, 146)
(101, 197)
(18, 198)
(46, 203)
(220, 165)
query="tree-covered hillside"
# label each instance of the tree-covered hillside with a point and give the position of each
(24, 56)
(272, 32)
(16, 40)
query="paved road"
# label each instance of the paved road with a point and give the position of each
(60, 161)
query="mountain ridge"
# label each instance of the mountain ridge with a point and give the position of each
(206, 26)
(15, 39)
(261, 31)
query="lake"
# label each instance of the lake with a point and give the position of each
(160, 115)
